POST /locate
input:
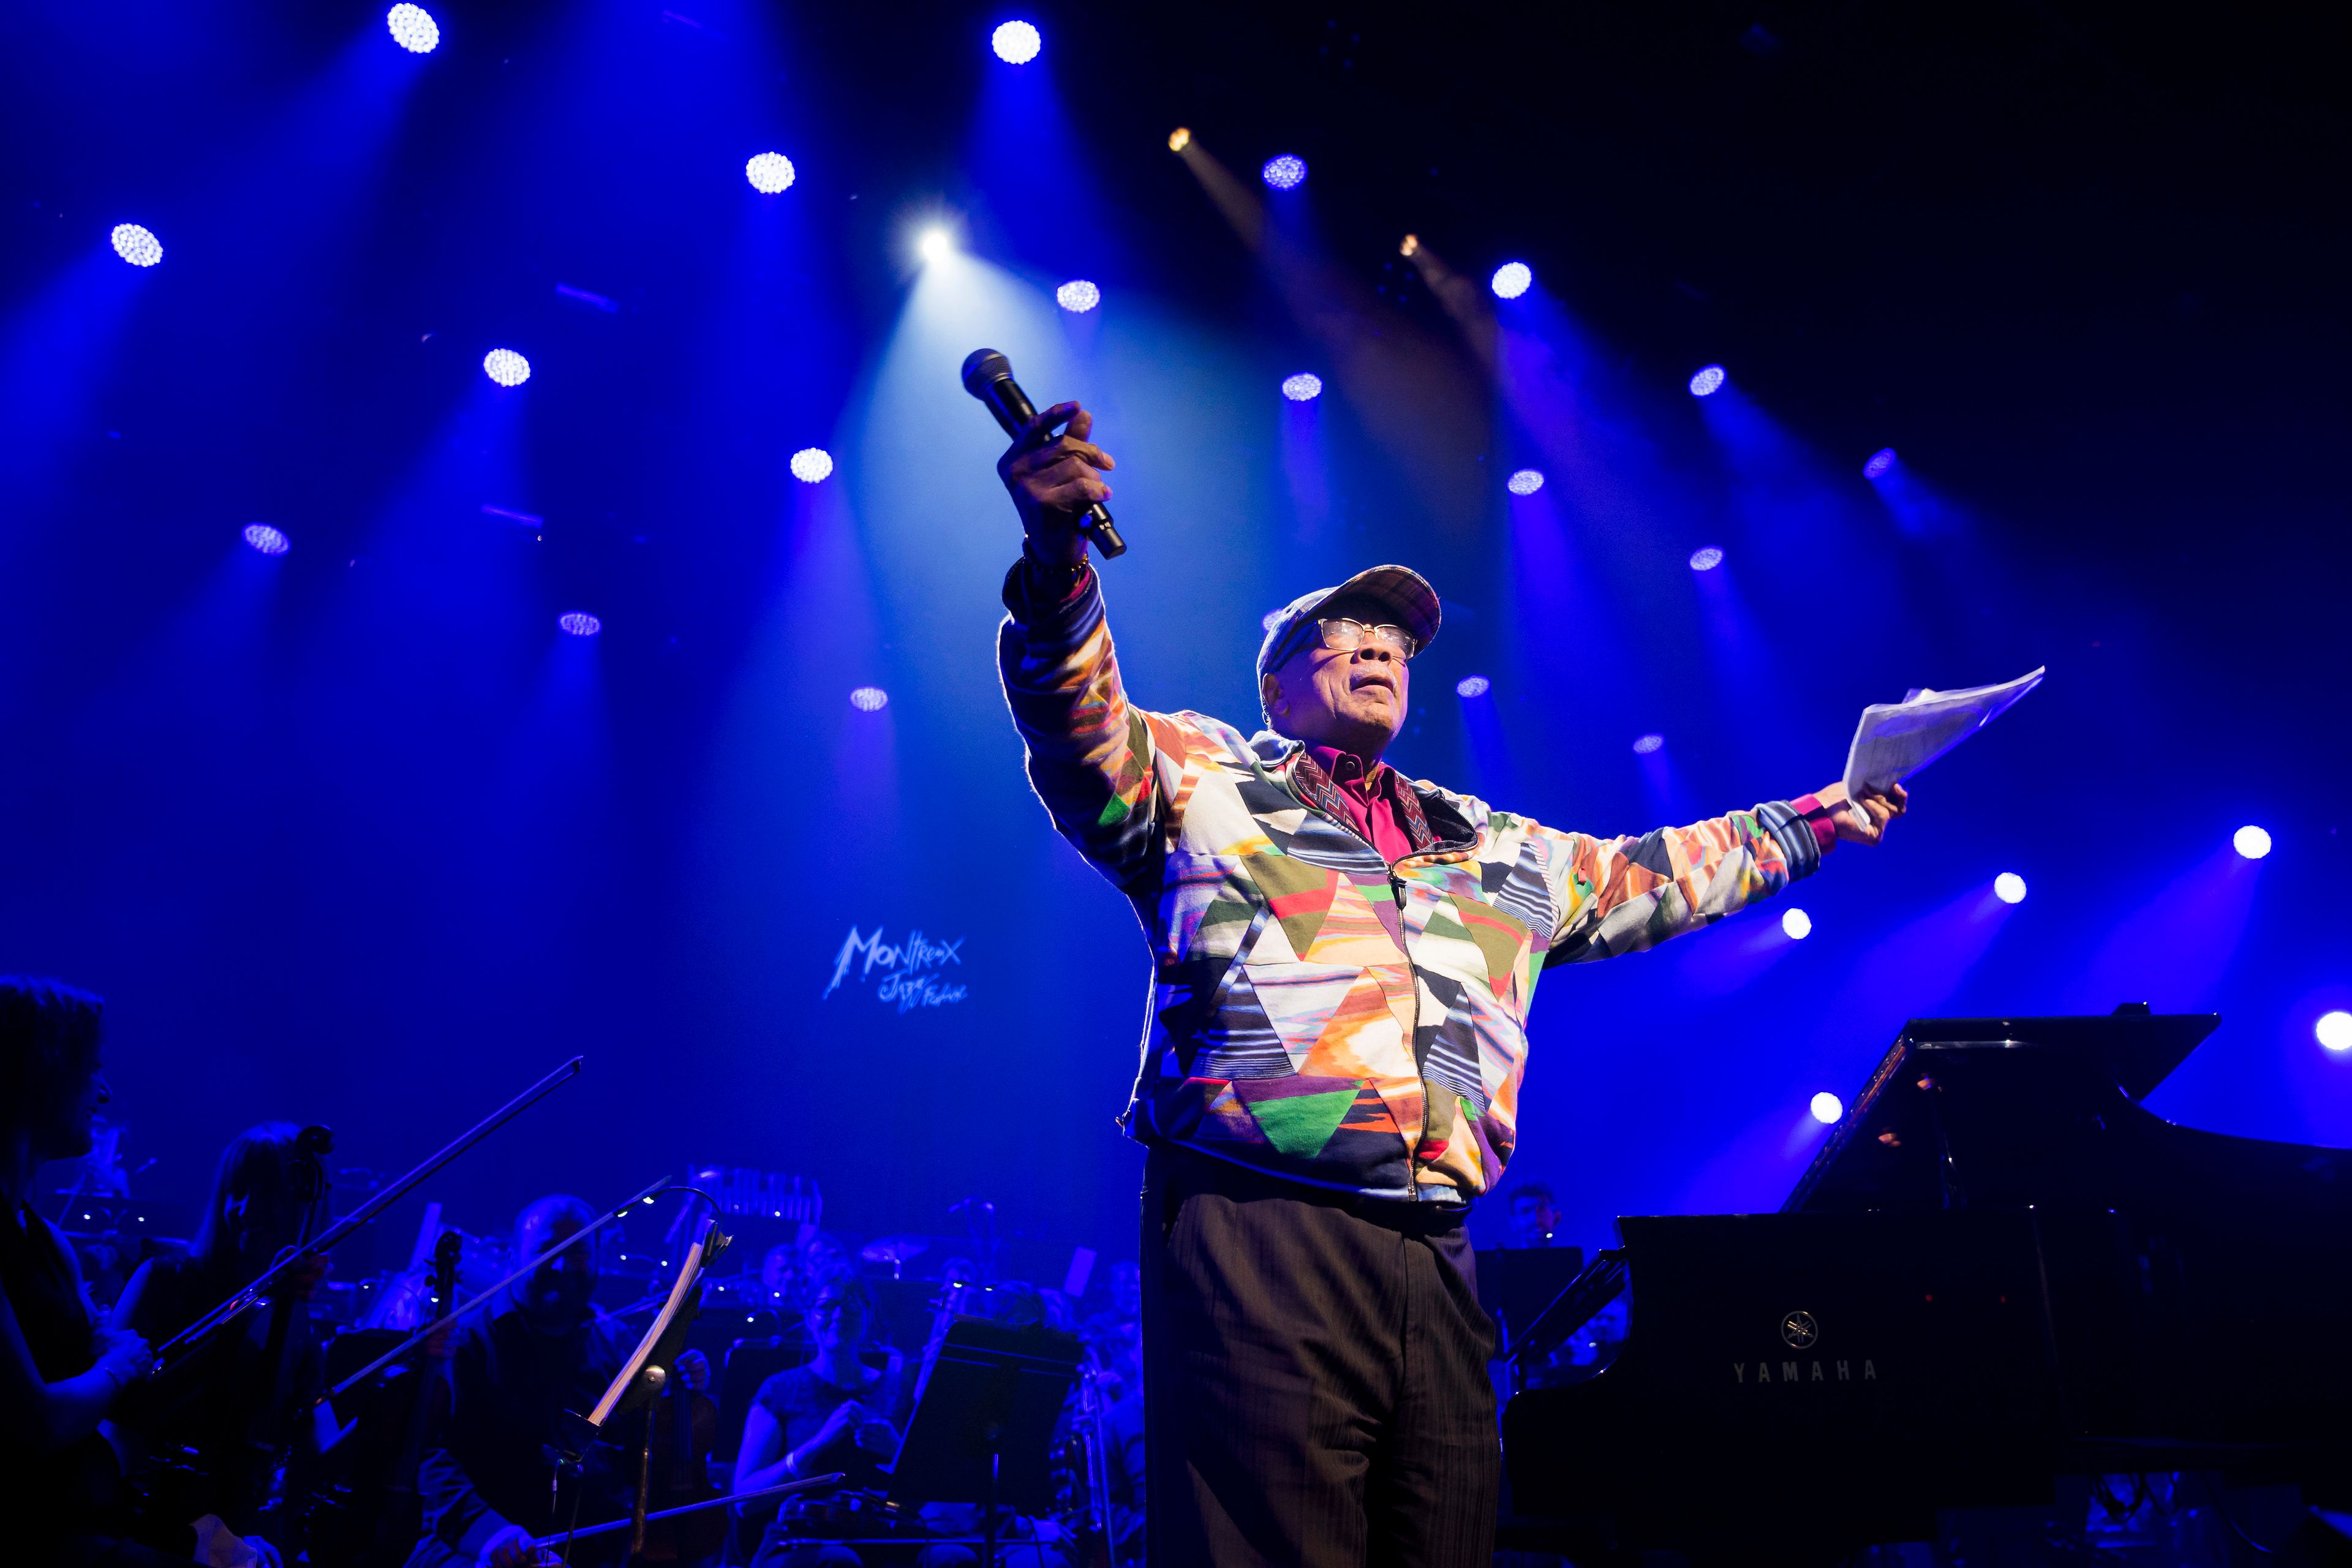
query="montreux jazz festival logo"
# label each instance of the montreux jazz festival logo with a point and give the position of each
(913, 972)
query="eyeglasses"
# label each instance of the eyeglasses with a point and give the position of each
(1343, 636)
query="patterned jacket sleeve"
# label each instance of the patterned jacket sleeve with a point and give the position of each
(1621, 895)
(1092, 757)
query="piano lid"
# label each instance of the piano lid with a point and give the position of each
(1894, 1148)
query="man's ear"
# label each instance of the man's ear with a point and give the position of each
(1269, 692)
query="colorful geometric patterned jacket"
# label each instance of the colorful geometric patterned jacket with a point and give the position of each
(1317, 1013)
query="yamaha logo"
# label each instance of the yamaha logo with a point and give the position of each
(1799, 1330)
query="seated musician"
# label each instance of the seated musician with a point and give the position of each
(208, 1438)
(832, 1412)
(538, 1351)
(60, 1373)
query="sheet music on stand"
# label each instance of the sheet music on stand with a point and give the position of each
(1895, 739)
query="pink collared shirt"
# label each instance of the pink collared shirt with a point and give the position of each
(1364, 789)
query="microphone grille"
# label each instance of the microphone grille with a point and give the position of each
(984, 366)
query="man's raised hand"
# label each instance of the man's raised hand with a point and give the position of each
(1864, 821)
(1054, 479)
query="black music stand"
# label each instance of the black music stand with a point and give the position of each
(983, 1430)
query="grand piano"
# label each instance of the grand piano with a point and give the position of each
(2001, 1268)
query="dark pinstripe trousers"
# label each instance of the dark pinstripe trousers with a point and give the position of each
(1315, 1377)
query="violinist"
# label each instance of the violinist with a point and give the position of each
(208, 1437)
(538, 1354)
(61, 1372)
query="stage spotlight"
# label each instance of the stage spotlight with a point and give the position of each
(812, 464)
(1526, 482)
(1410, 244)
(1707, 382)
(2335, 1030)
(1304, 387)
(1511, 280)
(935, 244)
(869, 699)
(505, 367)
(1283, 173)
(1077, 296)
(1878, 463)
(1797, 924)
(413, 28)
(1827, 1108)
(2009, 887)
(137, 246)
(268, 539)
(770, 174)
(1707, 558)
(1644, 744)
(579, 623)
(1015, 43)
(2252, 842)
(1179, 139)
(1472, 685)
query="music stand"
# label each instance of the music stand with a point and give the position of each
(982, 1430)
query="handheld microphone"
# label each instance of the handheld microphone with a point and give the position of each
(987, 375)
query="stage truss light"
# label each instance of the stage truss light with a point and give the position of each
(812, 464)
(1304, 387)
(505, 367)
(1511, 280)
(1525, 482)
(1796, 924)
(413, 29)
(1878, 463)
(1827, 1108)
(1409, 244)
(1707, 381)
(1284, 171)
(1472, 685)
(1644, 744)
(1179, 139)
(1077, 296)
(2252, 842)
(770, 174)
(579, 624)
(2009, 887)
(136, 245)
(869, 699)
(1707, 558)
(2334, 1030)
(935, 244)
(1016, 43)
(268, 539)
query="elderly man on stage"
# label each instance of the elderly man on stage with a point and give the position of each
(1343, 960)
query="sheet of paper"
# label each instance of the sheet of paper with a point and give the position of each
(1895, 739)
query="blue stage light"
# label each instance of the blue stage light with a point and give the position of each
(579, 623)
(1878, 463)
(812, 464)
(2335, 1030)
(2009, 887)
(1707, 558)
(268, 539)
(1472, 685)
(1644, 744)
(1265, 622)
(770, 174)
(1304, 387)
(1511, 280)
(1827, 1108)
(1283, 173)
(1015, 43)
(1797, 924)
(505, 367)
(413, 28)
(137, 246)
(1077, 296)
(869, 699)
(1525, 482)
(2252, 842)
(1707, 382)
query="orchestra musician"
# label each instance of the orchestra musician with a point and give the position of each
(539, 1351)
(62, 1371)
(1343, 959)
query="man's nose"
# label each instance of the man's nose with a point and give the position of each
(1374, 651)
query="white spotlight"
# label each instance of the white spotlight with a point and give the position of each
(770, 174)
(2009, 887)
(2335, 1030)
(505, 367)
(413, 29)
(2252, 842)
(1827, 1108)
(935, 244)
(136, 245)
(1797, 924)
